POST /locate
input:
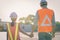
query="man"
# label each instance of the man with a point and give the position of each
(45, 20)
(13, 28)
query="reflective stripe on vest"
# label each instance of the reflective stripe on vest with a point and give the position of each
(16, 32)
(45, 20)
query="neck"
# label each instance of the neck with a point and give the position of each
(44, 6)
(12, 23)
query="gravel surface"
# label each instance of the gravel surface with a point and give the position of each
(24, 37)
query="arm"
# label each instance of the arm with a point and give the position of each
(35, 22)
(24, 32)
(54, 25)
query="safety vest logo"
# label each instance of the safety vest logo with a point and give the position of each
(44, 20)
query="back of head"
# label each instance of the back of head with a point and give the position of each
(13, 15)
(43, 3)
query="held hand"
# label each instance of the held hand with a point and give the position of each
(31, 35)
(53, 36)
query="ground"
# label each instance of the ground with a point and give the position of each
(24, 37)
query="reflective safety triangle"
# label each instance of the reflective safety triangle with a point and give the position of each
(48, 24)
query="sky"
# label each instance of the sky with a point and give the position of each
(25, 7)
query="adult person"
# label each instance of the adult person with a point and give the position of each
(45, 20)
(13, 28)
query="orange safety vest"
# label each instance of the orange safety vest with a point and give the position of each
(45, 20)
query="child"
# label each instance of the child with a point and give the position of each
(14, 28)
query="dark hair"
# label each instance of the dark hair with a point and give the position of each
(43, 3)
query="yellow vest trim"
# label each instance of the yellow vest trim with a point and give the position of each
(16, 32)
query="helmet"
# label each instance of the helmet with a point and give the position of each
(43, 2)
(13, 15)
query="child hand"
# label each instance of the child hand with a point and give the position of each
(53, 36)
(31, 35)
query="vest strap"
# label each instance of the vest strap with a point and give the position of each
(16, 31)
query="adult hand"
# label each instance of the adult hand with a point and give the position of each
(31, 35)
(53, 36)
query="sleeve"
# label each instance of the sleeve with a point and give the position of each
(53, 21)
(36, 19)
(53, 24)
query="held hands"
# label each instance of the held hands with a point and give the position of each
(31, 35)
(53, 36)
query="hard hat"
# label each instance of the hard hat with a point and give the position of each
(43, 1)
(13, 15)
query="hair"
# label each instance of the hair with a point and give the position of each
(13, 15)
(43, 4)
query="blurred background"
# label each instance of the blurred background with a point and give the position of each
(26, 23)
(26, 10)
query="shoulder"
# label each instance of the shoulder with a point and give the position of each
(39, 10)
(18, 23)
(8, 23)
(51, 10)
